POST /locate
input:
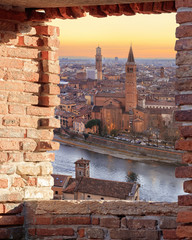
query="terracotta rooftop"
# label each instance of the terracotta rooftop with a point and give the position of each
(59, 180)
(84, 161)
(104, 187)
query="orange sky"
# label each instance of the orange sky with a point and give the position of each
(152, 36)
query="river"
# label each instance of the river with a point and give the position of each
(157, 180)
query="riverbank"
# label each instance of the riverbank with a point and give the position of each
(128, 154)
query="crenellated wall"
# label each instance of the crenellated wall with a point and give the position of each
(29, 71)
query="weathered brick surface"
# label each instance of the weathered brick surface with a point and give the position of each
(112, 222)
(183, 172)
(28, 91)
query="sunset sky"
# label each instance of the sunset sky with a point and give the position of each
(152, 36)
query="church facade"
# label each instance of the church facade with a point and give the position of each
(119, 110)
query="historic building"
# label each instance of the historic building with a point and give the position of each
(83, 187)
(98, 63)
(119, 110)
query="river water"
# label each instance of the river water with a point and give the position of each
(157, 180)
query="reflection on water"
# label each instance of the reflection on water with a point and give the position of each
(158, 182)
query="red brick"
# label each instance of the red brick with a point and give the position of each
(186, 131)
(10, 15)
(50, 78)
(13, 208)
(32, 87)
(184, 217)
(16, 109)
(184, 71)
(55, 231)
(31, 122)
(11, 86)
(110, 222)
(3, 109)
(9, 144)
(49, 123)
(168, 222)
(22, 76)
(184, 115)
(134, 234)
(40, 111)
(81, 232)
(30, 41)
(185, 145)
(50, 55)
(72, 220)
(3, 183)
(7, 26)
(14, 197)
(95, 221)
(5, 233)
(183, 99)
(11, 63)
(3, 157)
(183, 3)
(47, 30)
(50, 89)
(39, 157)
(11, 220)
(9, 38)
(47, 146)
(169, 234)
(3, 96)
(51, 67)
(23, 98)
(31, 231)
(184, 31)
(41, 220)
(18, 182)
(27, 53)
(183, 172)
(31, 181)
(185, 200)
(184, 231)
(43, 134)
(2, 208)
(49, 101)
(183, 57)
(10, 121)
(187, 186)
(183, 17)
(135, 224)
(187, 158)
(183, 44)
(15, 157)
(7, 169)
(51, 43)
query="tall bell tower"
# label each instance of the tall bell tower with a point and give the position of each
(130, 83)
(98, 63)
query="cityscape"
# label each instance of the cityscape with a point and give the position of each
(121, 104)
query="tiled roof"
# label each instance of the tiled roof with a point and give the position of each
(108, 188)
(60, 180)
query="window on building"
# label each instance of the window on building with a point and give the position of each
(56, 192)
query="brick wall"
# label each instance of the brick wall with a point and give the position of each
(100, 220)
(184, 114)
(29, 71)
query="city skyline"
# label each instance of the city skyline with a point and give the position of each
(151, 36)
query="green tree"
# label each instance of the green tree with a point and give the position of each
(114, 132)
(131, 177)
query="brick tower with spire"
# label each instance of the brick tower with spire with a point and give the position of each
(130, 83)
(98, 63)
